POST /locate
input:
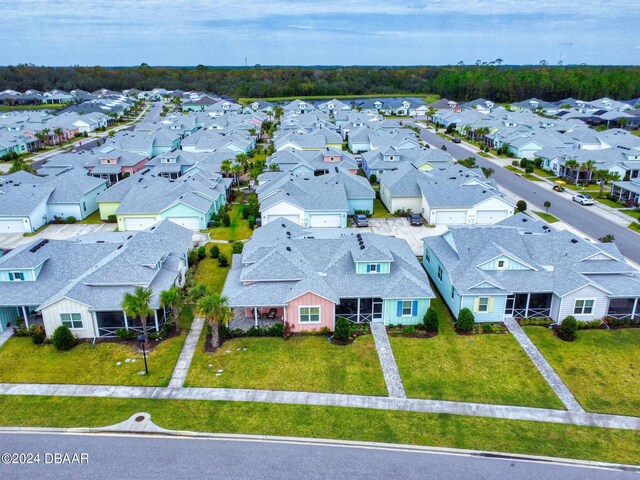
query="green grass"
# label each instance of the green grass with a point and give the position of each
(600, 367)
(478, 368)
(427, 97)
(90, 364)
(632, 213)
(527, 176)
(483, 154)
(635, 226)
(454, 431)
(209, 273)
(302, 363)
(513, 169)
(379, 210)
(238, 230)
(94, 218)
(609, 203)
(542, 173)
(547, 217)
(635, 132)
(31, 234)
(52, 106)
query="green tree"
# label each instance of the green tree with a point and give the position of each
(63, 339)
(173, 299)
(521, 206)
(588, 168)
(547, 206)
(137, 304)
(572, 166)
(215, 309)
(466, 320)
(431, 320)
(196, 293)
(568, 328)
(342, 329)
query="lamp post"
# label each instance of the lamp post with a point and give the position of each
(142, 339)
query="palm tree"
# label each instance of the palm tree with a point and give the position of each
(499, 61)
(588, 167)
(243, 160)
(604, 176)
(173, 300)
(572, 166)
(225, 166)
(215, 309)
(196, 293)
(136, 304)
(58, 131)
(237, 170)
(46, 132)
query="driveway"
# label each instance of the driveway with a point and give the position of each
(55, 232)
(400, 227)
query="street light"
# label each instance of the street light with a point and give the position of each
(142, 339)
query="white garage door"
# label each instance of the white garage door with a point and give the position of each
(13, 226)
(135, 224)
(192, 223)
(489, 217)
(453, 217)
(324, 220)
(274, 218)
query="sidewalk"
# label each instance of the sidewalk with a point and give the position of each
(181, 369)
(392, 378)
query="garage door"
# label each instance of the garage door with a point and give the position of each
(12, 226)
(489, 217)
(324, 220)
(192, 223)
(136, 224)
(274, 218)
(453, 217)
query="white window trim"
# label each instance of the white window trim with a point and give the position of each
(374, 267)
(584, 300)
(504, 264)
(18, 277)
(310, 307)
(480, 305)
(440, 273)
(410, 302)
(73, 313)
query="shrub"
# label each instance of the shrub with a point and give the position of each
(409, 330)
(342, 330)
(276, 330)
(236, 247)
(536, 321)
(192, 257)
(125, 334)
(226, 220)
(521, 206)
(466, 320)
(63, 339)
(567, 329)
(71, 219)
(515, 163)
(112, 219)
(222, 261)
(431, 320)
(252, 221)
(523, 163)
(37, 334)
(529, 168)
(202, 252)
(373, 178)
(323, 330)
(214, 251)
(362, 212)
(589, 325)
(487, 328)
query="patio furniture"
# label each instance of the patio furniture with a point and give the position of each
(271, 315)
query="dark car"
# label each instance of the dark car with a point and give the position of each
(415, 219)
(456, 140)
(360, 220)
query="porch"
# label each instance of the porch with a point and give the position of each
(527, 305)
(245, 318)
(360, 310)
(110, 321)
(22, 316)
(624, 308)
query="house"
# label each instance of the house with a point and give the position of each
(176, 163)
(323, 201)
(199, 104)
(259, 106)
(311, 162)
(81, 282)
(524, 268)
(144, 199)
(311, 278)
(365, 139)
(149, 143)
(28, 201)
(298, 106)
(308, 139)
(377, 162)
(212, 140)
(628, 191)
(453, 195)
(333, 107)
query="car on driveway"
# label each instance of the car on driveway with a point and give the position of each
(415, 219)
(360, 220)
(583, 199)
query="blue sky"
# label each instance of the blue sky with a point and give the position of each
(325, 32)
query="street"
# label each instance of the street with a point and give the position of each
(111, 456)
(563, 208)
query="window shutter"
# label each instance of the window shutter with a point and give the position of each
(399, 312)
(368, 268)
(10, 277)
(414, 308)
(476, 304)
(490, 305)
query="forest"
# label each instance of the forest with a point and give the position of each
(498, 83)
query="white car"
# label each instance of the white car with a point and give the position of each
(583, 199)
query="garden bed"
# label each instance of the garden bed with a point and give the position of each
(410, 331)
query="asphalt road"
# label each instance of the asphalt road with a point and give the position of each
(570, 212)
(138, 457)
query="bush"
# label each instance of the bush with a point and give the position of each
(524, 163)
(202, 252)
(37, 334)
(431, 320)
(236, 247)
(515, 163)
(409, 330)
(112, 219)
(63, 339)
(589, 325)
(71, 219)
(535, 321)
(567, 329)
(222, 261)
(342, 330)
(529, 168)
(521, 206)
(226, 220)
(252, 221)
(362, 212)
(487, 328)
(373, 178)
(214, 251)
(192, 257)
(125, 334)
(466, 320)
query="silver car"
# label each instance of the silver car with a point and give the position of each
(583, 199)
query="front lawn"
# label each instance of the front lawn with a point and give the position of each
(635, 226)
(92, 219)
(379, 210)
(90, 364)
(600, 367)
(547, 217)
(303, 363)
(238, 230)
(490, 368)
(209, 273)
(608, 203)
(635, 214)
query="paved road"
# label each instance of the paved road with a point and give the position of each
(570, 212)
(161, 457)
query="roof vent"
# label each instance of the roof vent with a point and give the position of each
(525, 220)
(361, 247)
(288, 249)
(283, 225)
(528, 233)
(545, 227)
(573, 240)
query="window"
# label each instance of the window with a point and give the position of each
(483, 304)
(71, 320)
(500, 264)
(309, 314)
(427, 256)
(16, 276)
(440, 272)
(406, 308)
(453, 291)
(583, 307)
(373, 268)
(84, 206)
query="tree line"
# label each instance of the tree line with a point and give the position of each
(495, 82)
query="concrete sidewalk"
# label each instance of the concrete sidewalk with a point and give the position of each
(392, 378)
(181, 369)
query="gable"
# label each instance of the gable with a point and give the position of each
(503, 262)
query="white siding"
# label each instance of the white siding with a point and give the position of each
(413, 203)
(588, 292)
(51, 317)
(283, 209)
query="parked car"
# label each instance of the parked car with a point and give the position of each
(583, 199)
(415, 219)
(456, 140)
(360, 220)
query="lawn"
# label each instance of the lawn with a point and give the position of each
(379, 210)
(454, 431)
(92, 219)
(635, 132)
(238, 230)
(51, 106)
(600, 367)
(542, 173)
(90, 364)
(547, 217)
(209, 273)
(635, 226)
(527, 176)
(635, 214)
(609, 203)
(478, 368)
(303, 363)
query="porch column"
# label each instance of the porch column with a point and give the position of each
(284, 314)
(155, 317)
(24, 314)
(526, 309)
(635, 310)
(126, 322)
(255, 315)
(358, 317)
(94, 321)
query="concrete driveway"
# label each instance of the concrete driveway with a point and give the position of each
(400, 227)
(55, 232)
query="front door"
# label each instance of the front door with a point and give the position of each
(377, 310)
